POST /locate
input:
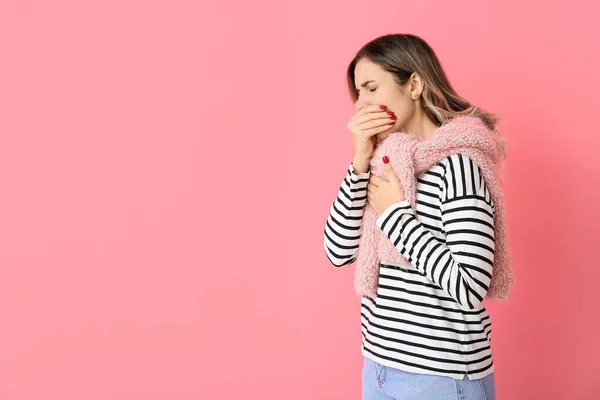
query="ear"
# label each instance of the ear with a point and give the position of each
(416, 86)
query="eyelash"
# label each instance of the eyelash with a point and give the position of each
(370, 90)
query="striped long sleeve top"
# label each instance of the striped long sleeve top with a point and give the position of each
(428, 315)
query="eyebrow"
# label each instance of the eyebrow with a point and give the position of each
(364, 84)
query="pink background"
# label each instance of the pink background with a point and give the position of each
(166, 169)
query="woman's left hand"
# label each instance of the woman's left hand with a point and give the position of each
(382, 193)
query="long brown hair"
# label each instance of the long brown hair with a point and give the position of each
(404, 54)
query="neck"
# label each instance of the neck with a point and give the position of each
(421, 125)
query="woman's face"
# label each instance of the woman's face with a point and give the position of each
(377, 87)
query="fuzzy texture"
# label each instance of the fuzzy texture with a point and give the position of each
(410, 157)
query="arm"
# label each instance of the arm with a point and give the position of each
(342, 230)
(462, 266)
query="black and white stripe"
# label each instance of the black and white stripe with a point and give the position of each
(342, 229)
(428, 315)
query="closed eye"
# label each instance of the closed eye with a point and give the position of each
(370, 90)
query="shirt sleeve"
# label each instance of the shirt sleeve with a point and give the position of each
(342, 229)
(462, 265)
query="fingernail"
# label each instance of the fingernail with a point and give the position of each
(386, 159)
(383, 107)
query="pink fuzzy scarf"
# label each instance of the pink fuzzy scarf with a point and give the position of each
(410, 157)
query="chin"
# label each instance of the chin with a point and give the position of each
(381, 136)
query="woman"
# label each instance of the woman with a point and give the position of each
(426, 333)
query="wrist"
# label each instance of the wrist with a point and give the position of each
(361, 163)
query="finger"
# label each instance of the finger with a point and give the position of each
(373, 108)
(381, 128)
(387, 166)
(389, 171)
(367, 134)
(374, 116)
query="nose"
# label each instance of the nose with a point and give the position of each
(361, 103)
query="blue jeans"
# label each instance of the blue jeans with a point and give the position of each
(384, 383)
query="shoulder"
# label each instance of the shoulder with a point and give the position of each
(457, 163)
(462, 177)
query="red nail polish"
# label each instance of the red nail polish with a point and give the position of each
(384, 108)
(386, 159)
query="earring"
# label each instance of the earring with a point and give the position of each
(415, 95)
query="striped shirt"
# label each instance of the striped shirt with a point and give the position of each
(428, 315)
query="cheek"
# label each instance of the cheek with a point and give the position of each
(401, 115)
(403, 109)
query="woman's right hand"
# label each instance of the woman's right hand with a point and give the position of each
(365, 125)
